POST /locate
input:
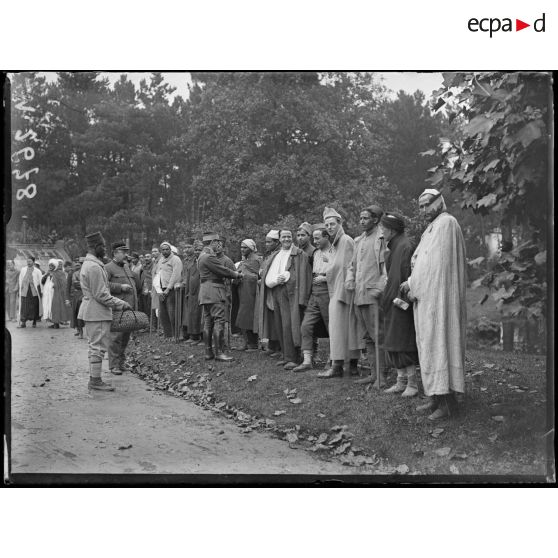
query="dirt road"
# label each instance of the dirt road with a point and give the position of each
(59, 426)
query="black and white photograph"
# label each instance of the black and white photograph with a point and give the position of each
(234, 276)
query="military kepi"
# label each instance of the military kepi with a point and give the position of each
(94, 239)
(120, 245)
(209, 236)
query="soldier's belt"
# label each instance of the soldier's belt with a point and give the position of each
(216, 283)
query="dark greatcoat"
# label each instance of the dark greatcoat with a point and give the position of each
(298, 289)
(192, 311)
(60, 312)
(75, 296)
(399, 333)
(119, 275)
(247, 288)
(263, 317)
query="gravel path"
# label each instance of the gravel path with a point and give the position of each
(59, 426)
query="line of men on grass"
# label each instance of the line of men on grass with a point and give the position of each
(373, 293)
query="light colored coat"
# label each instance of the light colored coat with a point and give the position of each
(97, 301)
(340, 255)
(37, 276)
(438, 282)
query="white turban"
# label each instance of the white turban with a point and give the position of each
(437, 198)
(273, 234)
(249, 243)
(53, 262)
(165, 244)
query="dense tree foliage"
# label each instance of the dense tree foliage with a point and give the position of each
(246, 151)
(496, 158)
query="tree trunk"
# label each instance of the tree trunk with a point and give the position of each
(507, 335)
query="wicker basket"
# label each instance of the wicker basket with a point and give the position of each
(128, 320)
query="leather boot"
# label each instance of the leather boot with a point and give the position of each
(208, 340)
(335, 371)
(353, 368)
(412, 387)
(447, 407)
(95, 381)
(219, 343)
(430, 404)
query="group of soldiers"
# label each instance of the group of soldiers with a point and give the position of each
(404, 308)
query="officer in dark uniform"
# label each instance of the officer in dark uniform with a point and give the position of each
(214, 269)
(124, 284)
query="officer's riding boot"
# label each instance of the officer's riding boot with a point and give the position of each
(219, 341)
(208, 339)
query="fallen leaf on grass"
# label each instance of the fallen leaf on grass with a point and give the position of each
(483, 389)
(477, 373)
(220, 405)
(498, 418)
(454, 470)
(443, 452)
(402, 469)
(292, 437)
(489, 366)
(321, 415)
(252, 378)
(319, 447)
(322, 438)
(296, 401)
(243, 417)
(338, 427)
(459, 456)
(436, 432)
(125, 447)
(337, 438)
(493, 437)
(279, 413)
(156, 358)
(342, 448)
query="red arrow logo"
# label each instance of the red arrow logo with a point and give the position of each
(519, 25)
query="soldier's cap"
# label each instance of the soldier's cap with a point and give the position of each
(306, 227)
(273, 234)
(120, 245)
(94, 239)
(210, 236)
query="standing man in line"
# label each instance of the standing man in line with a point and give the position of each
(192, 308)
(318, 304)
(96, 308)
(304, 238)
(288, 280)
(214, 270)
(263, 314)
(188, 262)
(250, 267)
(124, 283)
(437, 286)
(366, 278)
(339, 256)
(12, 288)
(145, 286)
(399, 328)
(166, 280)
(155, 258)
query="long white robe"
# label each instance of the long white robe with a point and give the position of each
(48, 294)
(438, 282)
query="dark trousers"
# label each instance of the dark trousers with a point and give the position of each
(317, 309)
(283, 325)
(167, 313)
(118, 342)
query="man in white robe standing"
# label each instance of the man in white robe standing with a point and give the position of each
(437, 286)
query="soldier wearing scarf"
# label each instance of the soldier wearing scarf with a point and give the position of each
(339, 256)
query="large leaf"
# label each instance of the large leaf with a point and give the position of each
(478, 125)
(530, 132)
